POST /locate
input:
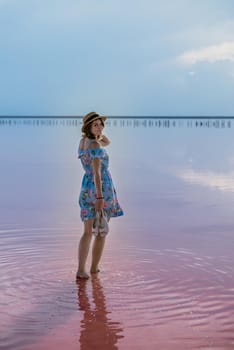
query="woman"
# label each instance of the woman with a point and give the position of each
(97, 190)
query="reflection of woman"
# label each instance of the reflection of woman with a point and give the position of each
(97, 331)
(97, 190)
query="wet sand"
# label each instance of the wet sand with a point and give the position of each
(166, 279)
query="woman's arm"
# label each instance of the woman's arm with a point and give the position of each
(96, 164)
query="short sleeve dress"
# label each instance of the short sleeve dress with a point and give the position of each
(87, 197)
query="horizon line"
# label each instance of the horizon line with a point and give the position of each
(117, 117)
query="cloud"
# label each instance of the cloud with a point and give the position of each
(115, 54)
(210, 54)
(223, 182)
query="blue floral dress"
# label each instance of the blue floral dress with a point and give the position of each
(88, 195)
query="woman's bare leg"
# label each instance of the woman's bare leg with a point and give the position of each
(97, 250)
(84, 249)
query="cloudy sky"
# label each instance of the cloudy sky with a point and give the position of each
(125, 57)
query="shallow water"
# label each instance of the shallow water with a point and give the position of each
(166, 279)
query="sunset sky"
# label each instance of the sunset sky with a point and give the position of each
(121, 58)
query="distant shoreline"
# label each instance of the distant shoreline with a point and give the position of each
(115, 117)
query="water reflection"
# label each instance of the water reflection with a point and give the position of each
(175, 258)
(97, 330)
(210, 179)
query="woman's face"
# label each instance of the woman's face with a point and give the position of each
(97, 127)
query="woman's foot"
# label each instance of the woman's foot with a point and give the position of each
(94, 270)
(82, 275)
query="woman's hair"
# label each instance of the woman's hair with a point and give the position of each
(87, 129)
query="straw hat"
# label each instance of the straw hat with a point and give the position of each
(90, 117)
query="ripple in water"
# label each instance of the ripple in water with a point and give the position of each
(178, 290)
(143, 298)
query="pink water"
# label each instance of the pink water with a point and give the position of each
(166, 279)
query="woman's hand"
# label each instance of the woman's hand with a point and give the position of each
(99, 204)
(104, 141)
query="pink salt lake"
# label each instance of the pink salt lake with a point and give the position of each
(166, 279)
